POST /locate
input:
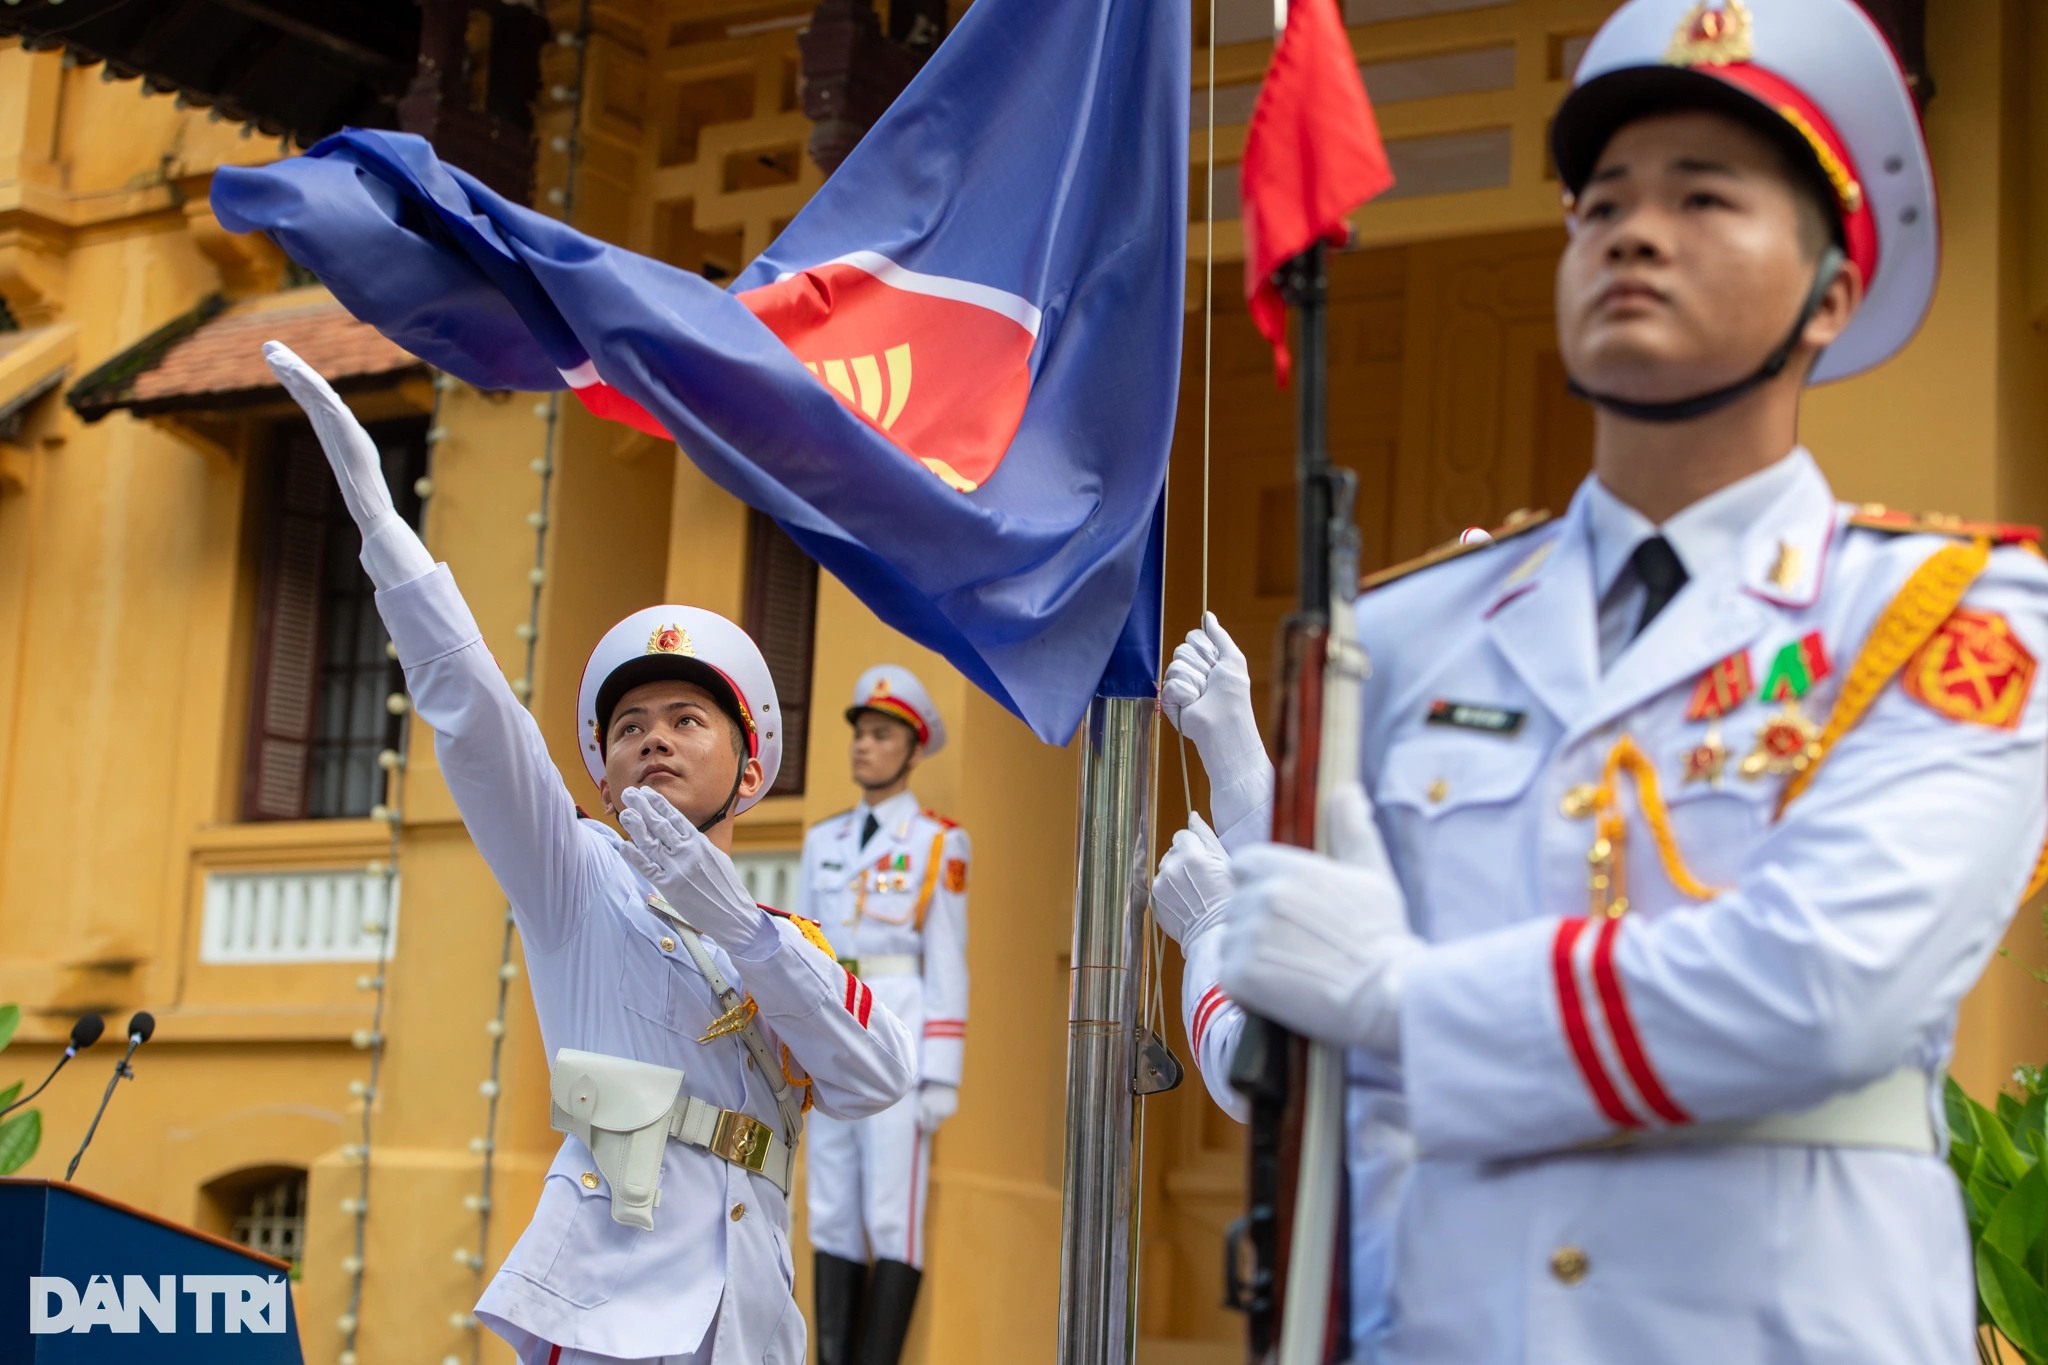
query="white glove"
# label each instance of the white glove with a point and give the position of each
(1207, 696)
(697, 880)
(392, 553)
(936, 1102)
(1322, 944)
(1192, 885)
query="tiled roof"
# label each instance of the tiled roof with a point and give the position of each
(226, 354)
(214, 358)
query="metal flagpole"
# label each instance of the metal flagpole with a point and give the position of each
(1112, 881)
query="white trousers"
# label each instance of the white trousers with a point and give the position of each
(865, 1181)
(786, 1347)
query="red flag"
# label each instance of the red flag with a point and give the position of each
(1311, 155)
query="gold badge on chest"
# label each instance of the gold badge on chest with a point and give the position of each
(1789, 738)
(1721, 689)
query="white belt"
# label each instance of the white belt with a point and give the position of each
(884, 964)
(1890, 1113)
(625, 1111)
(742, 1139)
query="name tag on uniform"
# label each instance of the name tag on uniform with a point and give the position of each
(833, 867)
(1464, 715)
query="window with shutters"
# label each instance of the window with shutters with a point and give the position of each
(781, 614)
(322, 670)
(262, 1207)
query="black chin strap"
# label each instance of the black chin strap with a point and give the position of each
(908, 754)
(738, 776)
(1685, 409)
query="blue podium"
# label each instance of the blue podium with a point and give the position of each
(86, 1280)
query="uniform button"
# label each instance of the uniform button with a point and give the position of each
(668, 945)
(590, 1180)
(739, 1211)
(1569, 1265)
(1438, 790)
(1578, 801)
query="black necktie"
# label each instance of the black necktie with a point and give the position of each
(1657, 567)
(867, 830)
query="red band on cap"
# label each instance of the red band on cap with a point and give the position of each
(891, 706)
(1859, 226)
(746, 711)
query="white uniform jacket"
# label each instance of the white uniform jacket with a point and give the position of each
(1841, 941)
(904, 896)
(608, 976)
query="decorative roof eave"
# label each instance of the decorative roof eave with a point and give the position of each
(210, 358)
(32, 363)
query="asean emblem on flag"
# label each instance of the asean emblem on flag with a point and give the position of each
(1972, 669)
(940, 366)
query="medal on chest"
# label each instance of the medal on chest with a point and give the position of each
(890, 872)
(1721, 689)
(1789, 738)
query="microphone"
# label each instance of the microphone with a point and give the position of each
(84, 1034)
(140, 1026)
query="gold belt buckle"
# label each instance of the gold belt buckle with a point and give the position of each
(852, 965)
(741, 1139)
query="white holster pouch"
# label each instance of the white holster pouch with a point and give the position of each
(625, 1112)
(620, 1109)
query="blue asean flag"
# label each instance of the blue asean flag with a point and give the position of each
(951, 379)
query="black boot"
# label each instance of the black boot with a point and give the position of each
(891, 1296)
(838, 1285)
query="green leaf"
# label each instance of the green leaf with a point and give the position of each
(2005, 1157)
(10, 1020)
(19, 1138)
(7, 1095)
(2020, 1216)
(1962, 1110)
(2032, 1134)
(2016, 1303)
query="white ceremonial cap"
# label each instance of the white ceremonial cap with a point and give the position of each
(1818, 78)
(895, 691)
(696, 646)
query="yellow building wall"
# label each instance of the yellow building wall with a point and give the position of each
(126, 607)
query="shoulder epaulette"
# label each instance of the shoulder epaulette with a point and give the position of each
(1875, 516)
(813, 932)
(948, 823)
(1518, 523)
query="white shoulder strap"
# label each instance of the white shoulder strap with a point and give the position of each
(787, 1102)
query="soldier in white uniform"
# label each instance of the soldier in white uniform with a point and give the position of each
(689, 1028)
(888, 881)
(1695, 812)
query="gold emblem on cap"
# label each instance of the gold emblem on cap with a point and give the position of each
(1712, 35)
(880, 689)
(671, 640)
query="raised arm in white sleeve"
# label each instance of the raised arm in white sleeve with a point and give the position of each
(491, 753)
(1207, 696)
(1187, 899)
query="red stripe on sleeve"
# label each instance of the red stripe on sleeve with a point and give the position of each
(1212, 1000)
(852, 990)
(867, 1002)
(945, 1028)
(1572, 1010)
(1622, 1026)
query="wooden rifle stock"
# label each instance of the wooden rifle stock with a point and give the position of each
(1281, 1249)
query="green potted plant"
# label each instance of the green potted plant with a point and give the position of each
(1997, 1154)
(22, 1133)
